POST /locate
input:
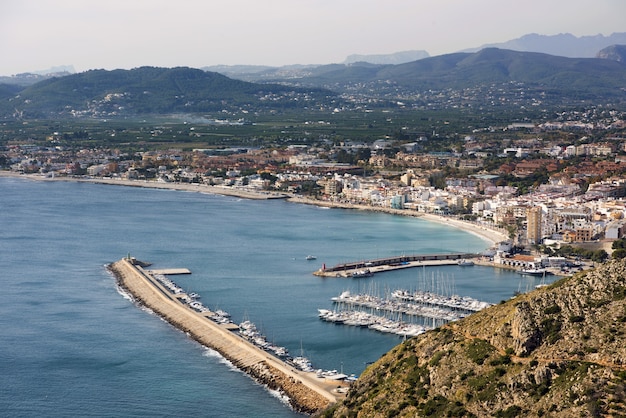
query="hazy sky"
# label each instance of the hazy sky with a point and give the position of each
(109, 34)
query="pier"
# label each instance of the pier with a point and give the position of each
(307, 392)
(366, 268)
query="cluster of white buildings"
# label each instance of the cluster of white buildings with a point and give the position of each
(552, 212)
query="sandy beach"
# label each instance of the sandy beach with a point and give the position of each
(491, 235)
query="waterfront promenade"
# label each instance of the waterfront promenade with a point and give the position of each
(307, 392)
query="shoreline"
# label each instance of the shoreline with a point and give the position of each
(187, 187)
(488, 234)
(491, 235)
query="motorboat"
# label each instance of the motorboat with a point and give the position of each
(537, 272)
(362, 273)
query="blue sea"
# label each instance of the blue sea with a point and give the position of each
(73, 345)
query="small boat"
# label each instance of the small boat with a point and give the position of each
(362, 273)
(465, 263)
(533, 272)
(311, 257)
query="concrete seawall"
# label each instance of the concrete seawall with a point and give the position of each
(307, 393)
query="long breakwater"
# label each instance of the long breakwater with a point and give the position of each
(307, 392)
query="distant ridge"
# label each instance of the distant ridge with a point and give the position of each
(32, 77)
(563, 44)
(394, 58)
(613, 53)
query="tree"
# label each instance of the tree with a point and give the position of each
(619, 244)
(599, 256)
(619, 254)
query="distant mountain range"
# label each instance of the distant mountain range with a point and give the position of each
(32, 77)
(184, 90)
(566, 45)
(582, 77)
(395, 58)
(563, 45)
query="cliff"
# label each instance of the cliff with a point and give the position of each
(557, 352)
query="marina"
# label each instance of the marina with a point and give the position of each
(404, 313)
(375, 322)
(454, 302)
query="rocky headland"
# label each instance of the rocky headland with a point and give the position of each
(558, 351)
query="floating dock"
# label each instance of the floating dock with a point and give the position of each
(307, 392)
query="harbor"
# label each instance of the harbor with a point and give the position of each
(309, 390)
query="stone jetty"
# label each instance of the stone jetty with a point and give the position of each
(307, 392)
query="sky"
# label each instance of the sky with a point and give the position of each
(109, 34)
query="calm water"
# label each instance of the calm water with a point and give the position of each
(72, 345)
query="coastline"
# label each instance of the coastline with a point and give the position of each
(187, 187)
(488, 234)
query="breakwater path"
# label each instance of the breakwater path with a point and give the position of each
(307, 392)
(365, 268)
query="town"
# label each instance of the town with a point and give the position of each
(555, 187)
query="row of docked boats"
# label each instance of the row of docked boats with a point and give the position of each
(396, 306)
(249, 331)
(455, 302)
(191, 300)
(375, 322)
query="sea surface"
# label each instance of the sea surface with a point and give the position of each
(73, 345)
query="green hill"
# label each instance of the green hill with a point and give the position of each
(149, 90)
(586, 77)
(556, 352)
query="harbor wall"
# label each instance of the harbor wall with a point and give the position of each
(304, 392)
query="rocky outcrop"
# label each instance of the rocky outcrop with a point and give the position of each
(613, 53)
(524, 331)
(558, 351)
